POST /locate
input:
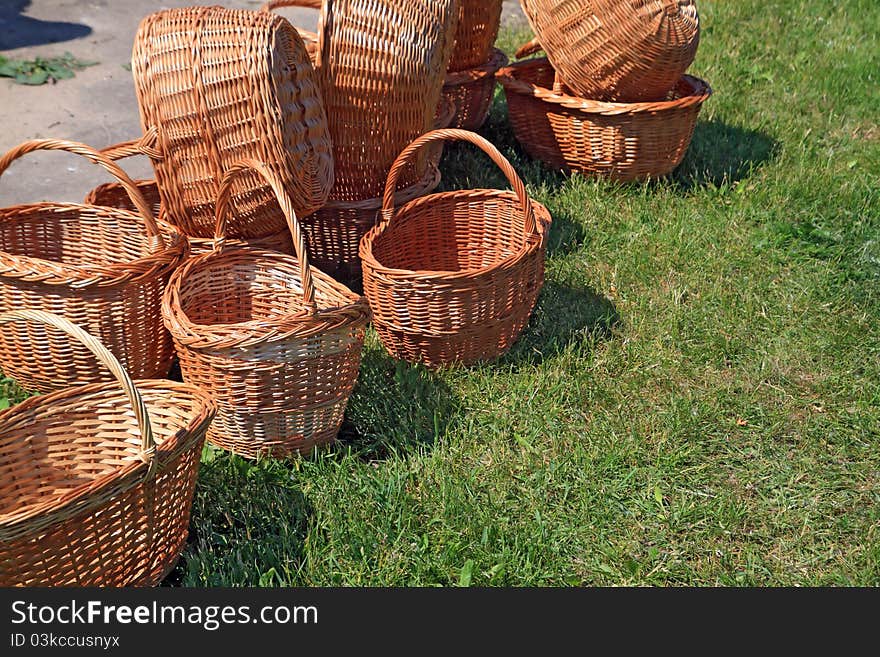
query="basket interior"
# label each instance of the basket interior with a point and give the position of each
(73, 234)
(453, 232)
(52, 447)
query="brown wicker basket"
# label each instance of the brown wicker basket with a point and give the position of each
(113, 195)
(478, 23)
(453, 277)
(97, 267)
(216, 85)
(472, 92)
(381, 64)
(276, 344)
(622, 50)
(95, 490)
(622, 141)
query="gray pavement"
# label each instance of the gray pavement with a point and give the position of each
(98, 106)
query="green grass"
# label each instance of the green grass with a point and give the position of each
(696, 399)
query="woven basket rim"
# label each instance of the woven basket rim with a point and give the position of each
(497, 60)
(56, 273)
(530, 244)
(508, 77)
(88, 495)
(352, 308)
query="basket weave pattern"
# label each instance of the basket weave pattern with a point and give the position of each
(475, 34)
(472, 92)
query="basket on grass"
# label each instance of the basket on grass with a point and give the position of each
(475, 34)
(216, 85)
(97, 481)
(621, 141)
(102, 268)
(114, 195)
(275, 343)
(381, 66)
(472, 92)
(453, 277)
(621, 50)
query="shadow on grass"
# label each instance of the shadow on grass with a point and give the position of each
(564, 315)
(720, 153)
(395, 407)
(18, 31)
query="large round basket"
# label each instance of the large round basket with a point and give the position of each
(622, 50)
(478, 23)
(621, 141)
(113, 195)
(216, 85)
(453, 277)
(276, 344)
(96, 481)
(103, 269)
(472, 92)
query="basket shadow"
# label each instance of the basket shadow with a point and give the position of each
(396, 408)
(564, 315)
(19, 31)
(720, 152)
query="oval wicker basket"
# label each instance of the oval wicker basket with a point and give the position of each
(475, 34)
(622, 141)
(472, 92)
(453, 277)
(94, 489)
(216, 85)
(113, 195)
(101, 268)
(276, 344)
(381, 66)
(621, 50)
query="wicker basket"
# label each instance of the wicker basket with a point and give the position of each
(472, 92)
(276, 344)
(114, 195)
(621, 141)
(97, 267)
(381, 64)
(453, 277)
(623, 50)
(478, 23)
(94, 490)
(217, 85)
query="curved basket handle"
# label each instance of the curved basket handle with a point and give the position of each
(306, 35)
(529, 48)
(148, 444)
(96, 157)
(224, 196)
(147, 145)
(457, 135)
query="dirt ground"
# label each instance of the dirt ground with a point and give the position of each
(98, 106)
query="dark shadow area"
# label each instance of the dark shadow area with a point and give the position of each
(243, 517)
(18, 31)
(720, 152)
(395, 407)
(564, 315)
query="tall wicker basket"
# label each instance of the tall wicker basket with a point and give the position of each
(475, 34)
(97, 481)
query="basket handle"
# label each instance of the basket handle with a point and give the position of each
(454, 134)
(96, 157)
(147, 145)
(224, 196)
(148, 444)
(306, 35)
(529, 48)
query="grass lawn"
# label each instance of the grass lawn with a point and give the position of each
(696, 399)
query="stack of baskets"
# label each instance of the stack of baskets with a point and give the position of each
(612, 97)
(470, 77)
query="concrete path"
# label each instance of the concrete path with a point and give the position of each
(98, 106)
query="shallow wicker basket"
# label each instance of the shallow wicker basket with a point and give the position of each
(622, 141)
(216, 85)
(102, 268)
(472, 92)
(475, 34)
(381, 66)
(621, 50)
(114, 195)
(453, 277)
(276, 344)
(94, 489)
